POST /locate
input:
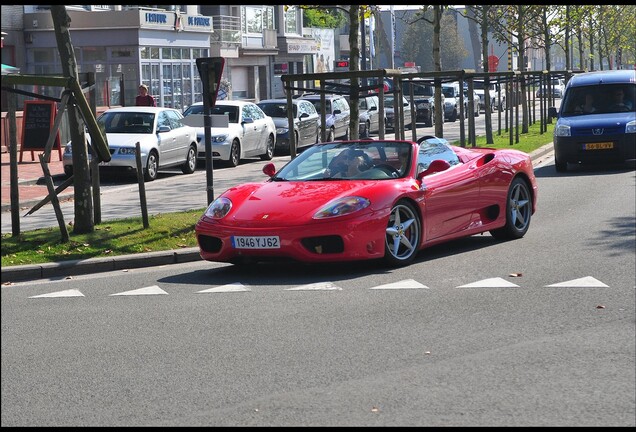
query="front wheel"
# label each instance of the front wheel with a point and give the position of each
(152, 167)
(403, 234)
(518, 212)
(560, 165)
(190, 164)
(235, 154)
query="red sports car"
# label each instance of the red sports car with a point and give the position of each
(367, 199)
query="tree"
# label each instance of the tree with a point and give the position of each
(83, 199)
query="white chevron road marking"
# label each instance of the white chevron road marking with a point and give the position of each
(151, 290)
(65, 293)
(490, 283)
(587, 281)
(319, 286)
(233, 287)
(404, 284)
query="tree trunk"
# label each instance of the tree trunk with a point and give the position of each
(354, 65)
(484, 53)
(437, 60)
(84, 222)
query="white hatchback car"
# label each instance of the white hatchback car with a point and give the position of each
(250, 132)
(165, 141)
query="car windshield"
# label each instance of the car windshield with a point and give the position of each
(419, 89)
(351, 160)
(231, 111)
(127, 122)
(599, 99)
(193, 109)
(276, 109)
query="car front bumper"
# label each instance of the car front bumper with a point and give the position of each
(326, 241)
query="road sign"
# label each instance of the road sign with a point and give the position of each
(211, 70)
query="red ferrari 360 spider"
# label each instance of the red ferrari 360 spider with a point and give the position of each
(357, 200)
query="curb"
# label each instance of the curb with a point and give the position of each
(123, 262)
(97, 265)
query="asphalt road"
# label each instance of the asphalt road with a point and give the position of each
(533, 332)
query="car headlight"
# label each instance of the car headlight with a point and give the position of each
(219, 138)
(342, 207)
(127, 150)
(422, 105)
(630, 127)
(562, 130)
(219, 208)
(281, 131)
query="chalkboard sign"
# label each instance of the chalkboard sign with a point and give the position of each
(37, 123)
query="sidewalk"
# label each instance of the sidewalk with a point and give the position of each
(31, 185)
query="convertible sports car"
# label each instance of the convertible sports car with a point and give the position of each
(357, 200)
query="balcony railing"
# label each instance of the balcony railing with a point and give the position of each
(227, 29)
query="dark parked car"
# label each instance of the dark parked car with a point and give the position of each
(306, 122)
(424, 99)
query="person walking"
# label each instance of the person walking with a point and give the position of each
(143, 98)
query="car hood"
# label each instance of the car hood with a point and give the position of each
(127, 140)
(232, 128)
(290, 203)
(280, 122)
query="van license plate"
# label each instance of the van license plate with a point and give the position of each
(598, 146)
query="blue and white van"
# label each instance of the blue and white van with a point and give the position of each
(596, 122)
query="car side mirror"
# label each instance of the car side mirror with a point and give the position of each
(304, 115)
(248, 120)
(269, 169)
(552, 112)
(336, 111)
(438, 165)
(163, 129)
(373, 108)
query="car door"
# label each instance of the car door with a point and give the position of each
(183, 136)
(304, 123)
(374, 113)
(342, 118)
(452, 196)
(167, 140)
(253, 127)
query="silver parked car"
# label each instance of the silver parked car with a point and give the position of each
(165, 141)
(306, 122)
(250, 132)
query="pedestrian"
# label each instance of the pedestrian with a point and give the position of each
(143, 98)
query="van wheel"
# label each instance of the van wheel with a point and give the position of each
(559, 165)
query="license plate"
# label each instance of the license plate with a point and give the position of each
(598, 146)
(255, 242)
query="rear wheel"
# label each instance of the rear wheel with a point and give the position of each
(269, 150)
(403, 234)
(518, 212)
(152, 166)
